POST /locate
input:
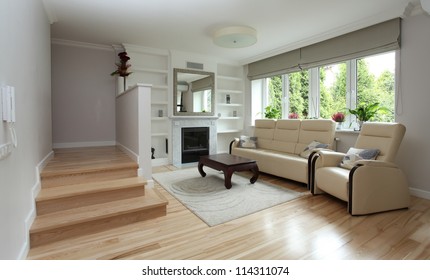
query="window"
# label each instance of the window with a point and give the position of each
(375, 83)
(320, 92)
(279, 97)
(332, 79)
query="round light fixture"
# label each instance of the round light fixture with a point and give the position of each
(235, 37)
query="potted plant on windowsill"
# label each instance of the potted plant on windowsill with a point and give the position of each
(271, 112)
(366, 112)
(339, 118)
(293, 116)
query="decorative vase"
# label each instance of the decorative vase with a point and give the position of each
(360, 124)
(339, 125)
(125, 82)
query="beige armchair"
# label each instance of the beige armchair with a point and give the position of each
(371, 186)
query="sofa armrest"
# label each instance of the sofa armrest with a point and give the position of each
(376, 186)
(233, 143)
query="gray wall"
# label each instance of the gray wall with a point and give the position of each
(83, 95)
(414, 155)
(25, 64)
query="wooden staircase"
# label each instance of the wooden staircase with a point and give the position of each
(89, 190)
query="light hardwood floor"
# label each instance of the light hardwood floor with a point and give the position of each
(310, 227)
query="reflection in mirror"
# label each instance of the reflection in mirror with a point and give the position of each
(193, 92)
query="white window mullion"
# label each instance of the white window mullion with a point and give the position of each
(285, 96)
(265, 93)
(351, 88)
(314, 93)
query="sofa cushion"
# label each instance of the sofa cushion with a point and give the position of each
(333, 180)
(383, 136)
(264, 130)
(315, 130)
(353, 155)
(281, 164)
(248, 142)
(309, 148)
(286, 135)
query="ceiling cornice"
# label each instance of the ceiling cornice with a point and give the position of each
(144, 49)
(50, 11)
(82, 45)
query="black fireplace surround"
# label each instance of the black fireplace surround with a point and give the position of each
(195, 143)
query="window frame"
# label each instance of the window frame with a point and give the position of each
(314, 89)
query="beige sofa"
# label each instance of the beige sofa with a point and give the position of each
(280, 144)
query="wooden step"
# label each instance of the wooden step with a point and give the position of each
(95, 218)
(54, 178)
(82, 165)
(72, 196)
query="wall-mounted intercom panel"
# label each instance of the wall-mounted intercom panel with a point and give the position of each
(8, 103)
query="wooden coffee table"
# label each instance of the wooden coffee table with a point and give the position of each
(228, 164)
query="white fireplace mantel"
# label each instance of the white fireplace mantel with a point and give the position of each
(178, 122)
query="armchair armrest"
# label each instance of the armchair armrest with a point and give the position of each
(376, 163)
(328, 158)
(321, 158)
(376, 186)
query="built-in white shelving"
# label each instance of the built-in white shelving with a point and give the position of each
(229, 104)
(152, 66)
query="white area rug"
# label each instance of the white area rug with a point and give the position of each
(212, 202)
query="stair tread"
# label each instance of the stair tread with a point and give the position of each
(85, 168)
(88, 188)
(98, 211)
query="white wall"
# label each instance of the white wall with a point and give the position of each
(83, 95)
(25, 64)
(133, 121)
(414, 155)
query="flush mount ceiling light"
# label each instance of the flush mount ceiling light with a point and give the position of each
(235, 37)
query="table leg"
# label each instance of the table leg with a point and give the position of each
(200, 168)
(227, 178)
(256, 173)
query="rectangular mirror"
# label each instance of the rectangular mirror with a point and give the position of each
(193, 92)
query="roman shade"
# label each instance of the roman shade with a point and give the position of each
(276, 65)
(375, 39)
(202, 84)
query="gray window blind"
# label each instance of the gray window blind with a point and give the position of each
(375, 39)
(202, 84)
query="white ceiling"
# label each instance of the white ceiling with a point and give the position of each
(188, 25)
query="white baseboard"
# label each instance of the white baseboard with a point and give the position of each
(83, 144)
(159, 161)
(420, 193)
(32, 213)
(129, 152)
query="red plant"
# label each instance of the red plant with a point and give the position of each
(122, 65)
(338, 117)
(293, 116)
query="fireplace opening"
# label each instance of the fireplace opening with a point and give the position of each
(195, 143)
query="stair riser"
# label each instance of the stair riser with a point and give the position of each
(87, 177)
(53, 205)
(79, 229)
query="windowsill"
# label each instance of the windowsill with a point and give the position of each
(347, 131)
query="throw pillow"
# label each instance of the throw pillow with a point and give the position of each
(309, 148)
(248, 142)
(353, 155)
